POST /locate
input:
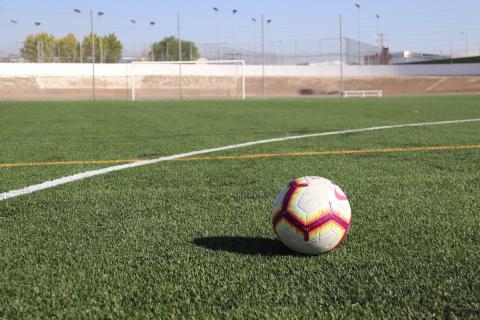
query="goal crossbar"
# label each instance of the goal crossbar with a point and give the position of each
(180, 74)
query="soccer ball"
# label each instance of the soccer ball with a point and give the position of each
(312, 215)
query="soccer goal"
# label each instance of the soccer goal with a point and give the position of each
(188, 79)
(362, 93)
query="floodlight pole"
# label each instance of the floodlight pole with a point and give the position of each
(93, 56)
(38, 44)
(341, 57)
(179, 58)
(466, 43)
(254, 39)
(38, 49)
(234, 12)
(81, 52)
(263, 57)
(379, 40)
(80, 44)
(216, 10)
(359, 44)
(102, 60)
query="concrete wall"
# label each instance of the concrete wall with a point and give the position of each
(123, 70)
(159, 81)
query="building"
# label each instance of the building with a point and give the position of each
(411, 57)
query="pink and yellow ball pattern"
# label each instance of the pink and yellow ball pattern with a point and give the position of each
(311, 215)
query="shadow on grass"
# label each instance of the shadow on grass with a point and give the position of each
(244, 245)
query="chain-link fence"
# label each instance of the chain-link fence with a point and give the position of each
(292, 52)
(296, 52)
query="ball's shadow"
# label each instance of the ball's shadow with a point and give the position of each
(244, 245)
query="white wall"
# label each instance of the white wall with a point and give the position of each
(122, 70)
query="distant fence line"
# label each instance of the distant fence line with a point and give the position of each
(326, 50)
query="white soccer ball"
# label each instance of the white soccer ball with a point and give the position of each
(312, 215)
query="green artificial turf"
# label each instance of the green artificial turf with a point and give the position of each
(193, 239)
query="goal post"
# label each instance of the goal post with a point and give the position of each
(224, 79)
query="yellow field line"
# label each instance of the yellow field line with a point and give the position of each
(251, 156)
(59, 163)
(334, 152)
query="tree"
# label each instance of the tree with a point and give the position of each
(67, 48)
(39, 48)
(109, 45)
(112, 48)
(87, 48)
(167, 50)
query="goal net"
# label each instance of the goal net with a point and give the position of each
(188, 79)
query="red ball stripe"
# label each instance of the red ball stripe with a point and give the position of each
(305, 229)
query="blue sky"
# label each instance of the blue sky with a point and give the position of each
(423, 25)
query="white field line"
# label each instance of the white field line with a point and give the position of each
(88, 174)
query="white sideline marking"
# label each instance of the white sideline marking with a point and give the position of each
(88, 174)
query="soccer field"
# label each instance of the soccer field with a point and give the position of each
(192, 237)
